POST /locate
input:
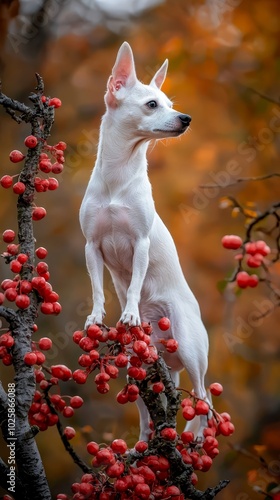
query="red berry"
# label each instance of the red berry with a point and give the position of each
(16, 156)
(216, 389)
(164, 324)
(206, 463)
(115, 470)
(103, 388)
(168, 433)
(94, 332)
(122, 397)
(8, 284)
(68, 411)
(142, 491)
(22, 258)
(61, 371)
(19, 187)
(172, 492)
(119, 446)
(25, 286)
(57, 168)
(86, 489)
(231, 241)
(45, 166)
(84, 360)
(12, 249)
(110, 369)
(121, 360)
(11, 294)
(262, 248)
(42, 268)
(41, 358)
(31, 141)
(54, 101)
(56, 308)
(30, 358)
(158, 387)
(188, 412)
(53, 184)
(242, 279)
(80, 376)
(45, 343)
(77, 336)
(187, 437)
(39, 213)
(92, 448)
(6, 181)
(8, 236)
(76, 402)
(201, 407)
(7, 340)
(41, 252)
(105, 456)
(253, 280)
(171, 345)
(69, 432)
(47, 308)
(2, 298)
(61, 146)
(101, 378)
(87, 344)
(141, 446)
(22, 301)
(140, 347)
(226, 428)
(255, 260)
(15, 266)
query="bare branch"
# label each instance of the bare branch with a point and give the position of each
(240, 179)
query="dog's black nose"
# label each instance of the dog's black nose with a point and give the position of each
(185, 119)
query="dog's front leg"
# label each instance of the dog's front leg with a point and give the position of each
(94, 260)
(140, 264)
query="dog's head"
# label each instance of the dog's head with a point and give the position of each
(145, 109)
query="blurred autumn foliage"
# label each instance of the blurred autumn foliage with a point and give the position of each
(224, 71)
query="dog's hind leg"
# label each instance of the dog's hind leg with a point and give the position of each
(144, 420)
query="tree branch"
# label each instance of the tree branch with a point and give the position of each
(240, 179)
(29, 463)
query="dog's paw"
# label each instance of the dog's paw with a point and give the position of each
(94, 319)
(131, 319)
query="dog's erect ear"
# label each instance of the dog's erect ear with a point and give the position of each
(123, 75)
(160, 75)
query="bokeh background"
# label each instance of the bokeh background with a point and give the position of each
(224, 71)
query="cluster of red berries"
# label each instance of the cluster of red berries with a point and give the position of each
(18, 290)
(45, 415)
(52, 164)
(149, 476)
(6, 343)
(254, 253)
(125, 346)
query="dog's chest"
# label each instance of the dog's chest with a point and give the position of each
(112, 218)
(113, 229)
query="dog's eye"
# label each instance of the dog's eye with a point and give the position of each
(152, 104)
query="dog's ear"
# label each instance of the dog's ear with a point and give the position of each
(123, 75)
(160, 75)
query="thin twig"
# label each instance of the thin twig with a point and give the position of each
(240, 179)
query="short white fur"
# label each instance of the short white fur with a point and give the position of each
(124, 231)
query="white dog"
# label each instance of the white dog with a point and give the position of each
(124, 232)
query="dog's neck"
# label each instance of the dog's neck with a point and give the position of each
(120, 156)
